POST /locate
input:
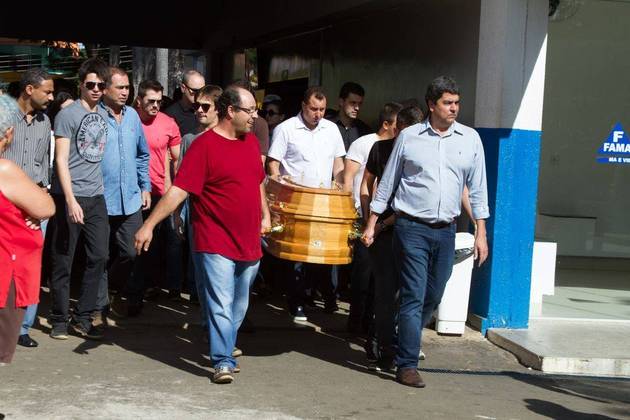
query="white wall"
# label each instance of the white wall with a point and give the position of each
(394, 55)
(587, 91)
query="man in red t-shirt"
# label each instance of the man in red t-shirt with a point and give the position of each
(223, 175)
(164, 262)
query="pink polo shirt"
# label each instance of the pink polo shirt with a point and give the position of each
(161, 133)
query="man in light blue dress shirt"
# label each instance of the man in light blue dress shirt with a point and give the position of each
(423, 182)
(126, 182)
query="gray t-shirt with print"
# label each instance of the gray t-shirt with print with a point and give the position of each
(87, 132)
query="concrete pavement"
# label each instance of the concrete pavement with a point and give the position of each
(154, 367)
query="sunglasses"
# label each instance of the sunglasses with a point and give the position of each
(191, 90)
(92, 85)
(154, 101)
(268, 113)
(204, 107)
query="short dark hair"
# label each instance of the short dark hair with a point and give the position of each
(278, 103)
(409, 116)
(208, 90)
(388, 113)
(93, 65)
(315, 91)
(351, 87)
(33, 77)
(438, 86)
(231, 96)
(149, 85)
(112, 70)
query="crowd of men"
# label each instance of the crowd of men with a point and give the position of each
(142, 186)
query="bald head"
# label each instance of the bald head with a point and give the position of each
(192, 82)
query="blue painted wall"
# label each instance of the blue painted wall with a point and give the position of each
(500, 288)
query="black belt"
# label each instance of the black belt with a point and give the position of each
(438, 225)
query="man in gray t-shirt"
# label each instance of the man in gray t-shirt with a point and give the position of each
(87, 132)
(77, 188)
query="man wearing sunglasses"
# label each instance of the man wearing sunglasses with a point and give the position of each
(182, 111)
(164, 142)
(273, 113)
(207, 118)
(77, 188)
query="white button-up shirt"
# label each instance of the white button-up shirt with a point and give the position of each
(304, 154)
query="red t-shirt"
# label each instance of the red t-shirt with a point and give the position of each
(224, 178)
(20, 256)
(161, 134)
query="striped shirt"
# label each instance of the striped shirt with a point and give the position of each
(30, 149)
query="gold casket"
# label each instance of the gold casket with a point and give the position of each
(312, 225)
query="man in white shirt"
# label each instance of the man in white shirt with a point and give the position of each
(310, 150)
(361, 290)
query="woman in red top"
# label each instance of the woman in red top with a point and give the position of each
(22, 205)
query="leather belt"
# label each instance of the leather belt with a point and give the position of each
(437, 225)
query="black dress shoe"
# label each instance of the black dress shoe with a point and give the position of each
(26, 341)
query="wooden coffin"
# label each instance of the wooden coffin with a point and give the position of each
(316, 223)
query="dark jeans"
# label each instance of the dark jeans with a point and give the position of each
(162, 264)
(386, 289)
(361, 287)
(424, 260)
(304, 276)
(65, 235)
(122, 231)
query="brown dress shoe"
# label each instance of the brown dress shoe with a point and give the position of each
(410, 377)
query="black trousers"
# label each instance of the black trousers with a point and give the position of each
(301, 277)
(65, 235)
(122, 252)
(386, 291)
(362, 290)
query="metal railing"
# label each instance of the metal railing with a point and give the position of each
(23, 62)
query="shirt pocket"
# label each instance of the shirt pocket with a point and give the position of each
(297, 152)
(41, 152)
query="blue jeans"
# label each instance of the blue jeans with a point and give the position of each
(31, 310)
(226, 286)
(423, 258)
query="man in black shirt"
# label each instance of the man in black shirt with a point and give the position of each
(350, 101)
(182, 111)
(381, 251)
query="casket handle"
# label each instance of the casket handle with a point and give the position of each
(275, 229)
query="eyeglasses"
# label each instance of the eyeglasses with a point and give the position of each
(204, 107)
(157, 102)
(249, 112)
(191, 90)
(92, 85)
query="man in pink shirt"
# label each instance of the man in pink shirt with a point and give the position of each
(163, 139)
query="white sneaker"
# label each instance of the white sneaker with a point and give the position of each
(421, 355)
(299, 315)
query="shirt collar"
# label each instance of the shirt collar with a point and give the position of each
(22, 116)
(299, 123)
(109, 111)
(454, 128)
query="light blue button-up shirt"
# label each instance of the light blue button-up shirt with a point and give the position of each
(125, 164)
(426, 174)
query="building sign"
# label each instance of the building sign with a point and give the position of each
(616, 148)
